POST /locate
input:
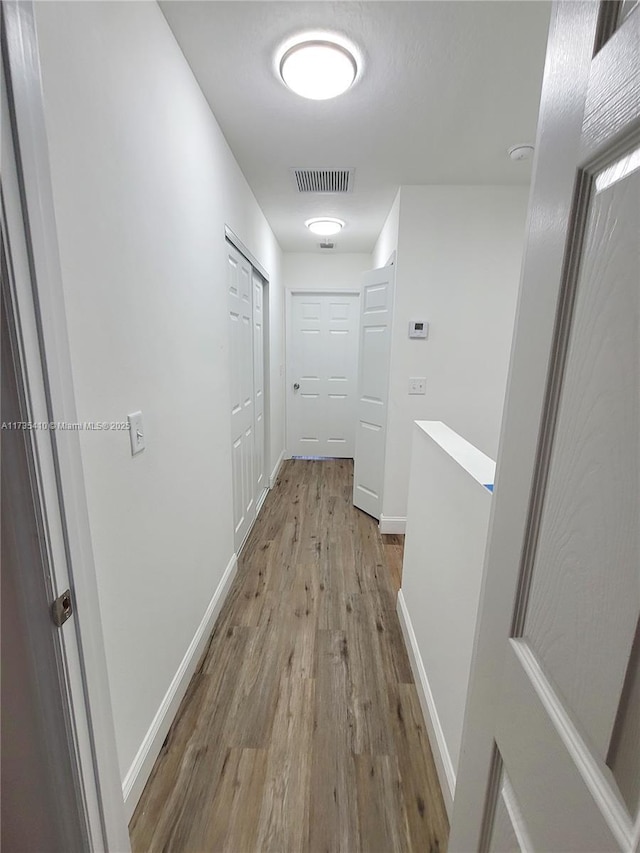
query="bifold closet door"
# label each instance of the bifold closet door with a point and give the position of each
(241, 334)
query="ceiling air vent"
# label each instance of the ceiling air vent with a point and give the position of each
(323, 180)
(327, 244)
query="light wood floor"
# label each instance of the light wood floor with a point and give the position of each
(301, 729)
(394, 552)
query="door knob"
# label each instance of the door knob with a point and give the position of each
(296, 386)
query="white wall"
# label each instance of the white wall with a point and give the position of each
(313, 271)
(144, 183)
(441, 576)
(458, 268)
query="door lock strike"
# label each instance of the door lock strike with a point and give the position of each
(62, 608)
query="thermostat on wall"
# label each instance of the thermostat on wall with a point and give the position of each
(418, 329)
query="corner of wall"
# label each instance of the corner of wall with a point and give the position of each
(392, 524)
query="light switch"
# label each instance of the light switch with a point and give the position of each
(417, 384)
(136, 432)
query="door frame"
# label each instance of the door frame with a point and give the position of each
(556, 187)
(290, 292)
(40, 320)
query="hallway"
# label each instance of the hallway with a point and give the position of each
(301, 729)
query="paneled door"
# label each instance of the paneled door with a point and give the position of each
(376, 308)
(259, 475)
(241, 335)
(322, 369)
(566, 722)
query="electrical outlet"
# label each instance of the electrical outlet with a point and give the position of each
(417, 384)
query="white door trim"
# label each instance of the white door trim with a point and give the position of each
(48, 368)
(240, 246)
(290, 292)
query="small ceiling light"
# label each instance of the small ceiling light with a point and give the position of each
(318, 69)
(521, 152)
(324, 226)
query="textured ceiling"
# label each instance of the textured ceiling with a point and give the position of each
(446, 87)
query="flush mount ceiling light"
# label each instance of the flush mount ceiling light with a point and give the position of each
(521, 152)
(318, 68)
(324, 226)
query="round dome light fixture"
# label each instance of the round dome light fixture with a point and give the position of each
(318, 69)
(521, 152)
(324, 226)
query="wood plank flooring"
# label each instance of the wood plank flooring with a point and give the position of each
(394, 552)
(301, 729)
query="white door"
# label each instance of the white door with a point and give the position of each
(565, 721)
(376, 308)
(322, 367)
(239, 279)
(42, 805)
(260, 480)
(63, 787)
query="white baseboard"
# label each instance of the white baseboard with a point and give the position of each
(392, 524)
(276, 469)
(261, 501)
(142, 765)
(444, 764)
